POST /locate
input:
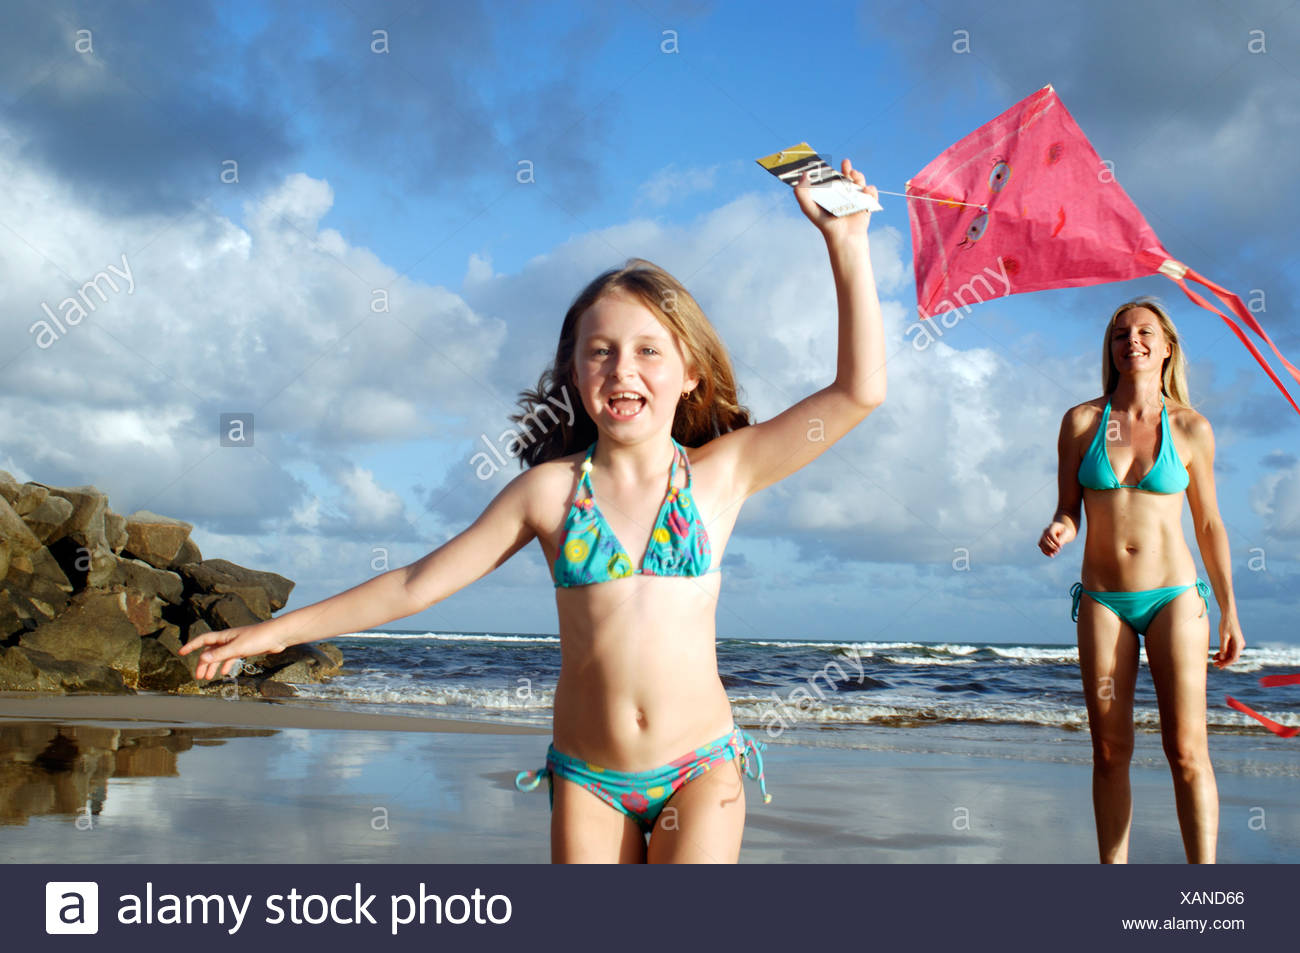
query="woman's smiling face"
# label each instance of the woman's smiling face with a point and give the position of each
(1138, 342)
(629, 368)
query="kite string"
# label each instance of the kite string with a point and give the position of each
(926, 198)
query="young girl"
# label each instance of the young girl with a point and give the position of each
(633, 505)
(1127, 457)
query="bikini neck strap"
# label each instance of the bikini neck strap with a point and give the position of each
(678, 452)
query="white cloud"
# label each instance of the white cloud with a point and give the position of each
(328, 347)
(479, 269)
(672, 184)
(1276, 498)
(370, 504)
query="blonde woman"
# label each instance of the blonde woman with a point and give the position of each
(1127, 458)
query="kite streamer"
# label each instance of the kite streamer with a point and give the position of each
(1269, 681)
(1048, 213)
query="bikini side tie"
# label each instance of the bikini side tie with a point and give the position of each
(1076, 592)
(528, 780)
(1203, 588)
(752, 765)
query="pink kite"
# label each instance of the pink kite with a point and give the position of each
(1024, 203)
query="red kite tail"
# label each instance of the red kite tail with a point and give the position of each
(1234, 304)
(1269, 681)
(1282, 731)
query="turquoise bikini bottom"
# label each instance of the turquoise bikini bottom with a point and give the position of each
(642, 795)
(1138, 609)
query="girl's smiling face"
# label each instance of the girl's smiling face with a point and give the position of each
(630, 371)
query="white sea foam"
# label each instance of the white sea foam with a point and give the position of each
(449, 637)
(1269, 655)
(928, 660)
(385, 691)
(1037, 653)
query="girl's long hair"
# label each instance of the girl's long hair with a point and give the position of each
(1173, 375)
(711, 409)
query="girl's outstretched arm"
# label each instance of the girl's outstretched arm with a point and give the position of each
(500, 532)
(770, 451)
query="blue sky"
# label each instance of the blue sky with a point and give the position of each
(362, 170)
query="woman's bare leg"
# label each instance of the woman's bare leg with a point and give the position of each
(1108, 663)
(1178, 644)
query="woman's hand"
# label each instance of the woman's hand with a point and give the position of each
(835, 229)
(1055, 537)
(1231, 641)
(229, 646)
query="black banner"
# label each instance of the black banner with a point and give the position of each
(500, 908)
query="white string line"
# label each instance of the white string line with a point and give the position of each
(926, 198)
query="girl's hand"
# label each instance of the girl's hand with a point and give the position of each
(1055, 537)
(230, 646)
(832, 228)
(1231, 642)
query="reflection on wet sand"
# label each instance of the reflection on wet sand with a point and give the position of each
(48, 768)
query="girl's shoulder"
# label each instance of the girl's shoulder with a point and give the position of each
(558, 475)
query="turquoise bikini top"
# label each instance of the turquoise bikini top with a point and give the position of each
(1168, 475)
(590, 552)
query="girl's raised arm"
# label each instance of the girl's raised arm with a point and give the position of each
(772, 450)
(500, 532)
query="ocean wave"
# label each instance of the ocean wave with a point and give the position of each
(1034, 653)
(773, 711)
(450, 637)
(490, 699)
(927, 660)
(1270, 655)
(761, 712)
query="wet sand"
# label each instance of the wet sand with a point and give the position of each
(192, 780)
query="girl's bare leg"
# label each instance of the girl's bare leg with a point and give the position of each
(586, 830)
(702, 823)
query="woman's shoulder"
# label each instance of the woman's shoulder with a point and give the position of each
(1189, 422)
(1081, 418)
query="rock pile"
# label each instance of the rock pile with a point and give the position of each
(92, 601)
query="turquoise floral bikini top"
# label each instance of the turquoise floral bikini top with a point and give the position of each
(1168, 475)
(590, 553)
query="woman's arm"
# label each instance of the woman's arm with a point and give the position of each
(772, 450)
(1212, 538)
(500, 532)
(1069, 494)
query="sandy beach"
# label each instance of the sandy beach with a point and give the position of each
(173, 779)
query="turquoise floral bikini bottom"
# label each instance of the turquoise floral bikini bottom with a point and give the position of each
(642, 795)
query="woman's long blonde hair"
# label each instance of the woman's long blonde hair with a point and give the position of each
(710, 409)
(1173, 375)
